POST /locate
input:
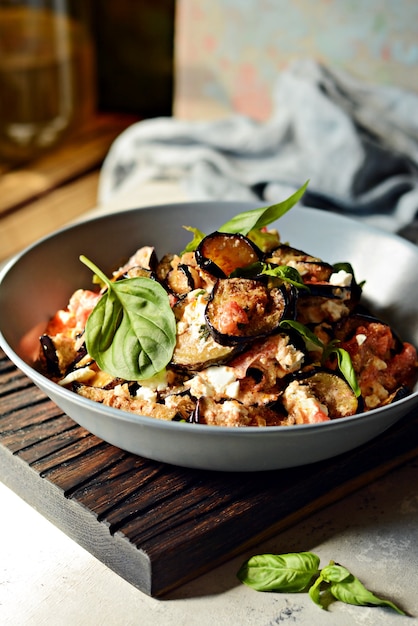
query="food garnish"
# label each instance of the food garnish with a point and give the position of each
(239, 329)
(131, 332)
(299, 571)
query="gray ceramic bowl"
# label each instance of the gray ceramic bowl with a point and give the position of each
(40, 280)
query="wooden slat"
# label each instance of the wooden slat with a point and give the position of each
(157, 525)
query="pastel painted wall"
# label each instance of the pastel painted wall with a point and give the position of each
(229, 52)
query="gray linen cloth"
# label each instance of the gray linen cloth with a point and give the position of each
(356, 142)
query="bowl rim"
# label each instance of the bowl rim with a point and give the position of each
(44, 382)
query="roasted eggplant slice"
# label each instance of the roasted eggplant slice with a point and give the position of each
(144, 257)
(139, 272)
(49, 356)
(318, 309)
(309, 267)
(318, 396)
(182, 279)
(240, 310)
(220, 254)
(195, 347)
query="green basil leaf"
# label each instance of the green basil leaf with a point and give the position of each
(254, 219)
(266, 240)
(345, 366)
(315, 591)
(285, 273)
(352, 591)
(334, 573)
(198, 235)
(344, 265)
(307, 335)
(280, 572)
(248, 271)
(131, 332)
(347, 267)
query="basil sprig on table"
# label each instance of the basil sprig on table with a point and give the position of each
(131, 332)
(299, 571)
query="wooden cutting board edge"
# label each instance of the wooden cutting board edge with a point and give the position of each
(118, 553)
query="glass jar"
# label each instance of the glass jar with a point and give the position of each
(47, 83)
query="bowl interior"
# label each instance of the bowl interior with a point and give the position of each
(42, 278)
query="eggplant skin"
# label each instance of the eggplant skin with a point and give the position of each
(318, 396)
(311, 268)
(195, 347)
(241, 309)
(220, 254)
(180, 280)
(50, 356)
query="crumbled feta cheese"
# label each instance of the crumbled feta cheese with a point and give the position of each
(121, 391)
(147, 394)
(81, 375)
(301, 404)
(335, 309)
(215, 381)
(360, 338)
(341, 279)
(194, 314)
(288, 356)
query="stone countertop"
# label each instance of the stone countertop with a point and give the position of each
(49, 579)
(46, 578)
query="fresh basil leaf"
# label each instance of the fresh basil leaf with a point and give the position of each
(307, 335)
(265, 239)
(248, 271)
(315, 591)
(347, 267)
(131, 332)
(345, 365)
(285, 273)
(198, 235)
(351, 591)
(334, 573)
(290, 573)
(344, 265)
(254, 219)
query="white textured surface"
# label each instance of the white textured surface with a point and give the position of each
(45, 578)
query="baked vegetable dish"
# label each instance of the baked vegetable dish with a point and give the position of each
(239, 329)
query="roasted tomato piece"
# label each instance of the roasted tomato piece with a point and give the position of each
(318, 396)
(381, 361)
(222, 253)
(242, 309)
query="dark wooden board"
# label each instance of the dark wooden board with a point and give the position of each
(156, 525)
